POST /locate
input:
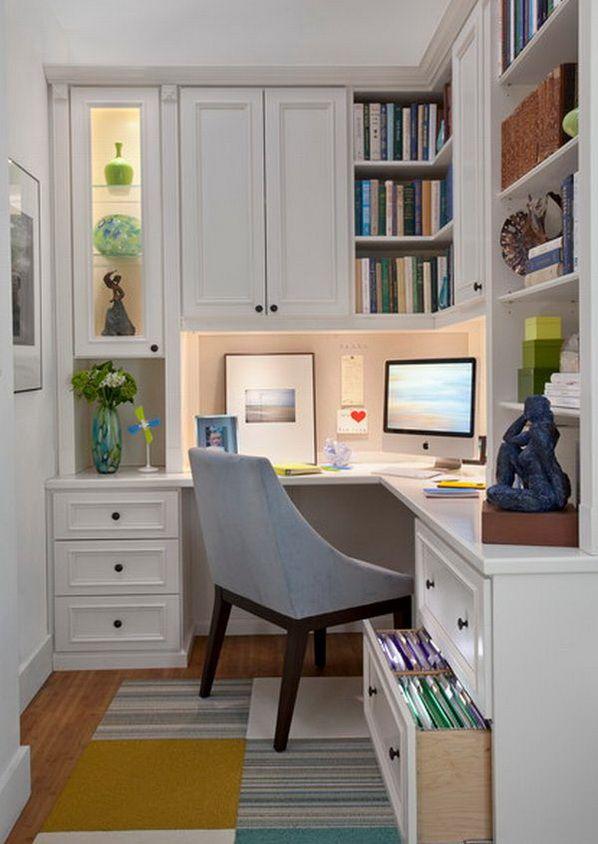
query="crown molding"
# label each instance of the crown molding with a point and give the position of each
(436, 59)
(413, 78)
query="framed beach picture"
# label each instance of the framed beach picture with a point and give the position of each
(24, 208)
(218, 432)
(272, 396)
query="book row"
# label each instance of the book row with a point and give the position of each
(535, 129)
(395, 132)
(521, 19)
(406, 285)
(440, 702)
(388, 208)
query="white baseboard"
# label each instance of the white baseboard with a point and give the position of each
(100, 661)
(15, 788)
(34, 672)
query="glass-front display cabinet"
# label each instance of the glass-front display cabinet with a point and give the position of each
(117, 231)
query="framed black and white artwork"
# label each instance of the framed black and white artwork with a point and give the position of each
(24, 207)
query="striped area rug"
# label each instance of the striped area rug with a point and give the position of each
(177, 768)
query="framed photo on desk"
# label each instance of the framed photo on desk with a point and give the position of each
(272, 396)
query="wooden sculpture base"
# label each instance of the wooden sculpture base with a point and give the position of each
(505, 527)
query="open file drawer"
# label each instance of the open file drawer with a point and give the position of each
(438, 781)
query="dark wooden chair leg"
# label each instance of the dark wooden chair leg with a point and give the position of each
(402, 613)
(320, 647)
(291, 674)
(220, 616)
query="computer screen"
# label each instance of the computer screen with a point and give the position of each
(430, 397)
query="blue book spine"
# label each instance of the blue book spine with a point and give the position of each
(366, 208)
(390, 131)
(398, 153)
(426, 131)
(413, 140)
(358, 207)
(373, 292)
(567, 200)
(383, 133)
(547, 259)
(418, 207)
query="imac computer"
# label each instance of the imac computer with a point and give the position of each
(429, 409)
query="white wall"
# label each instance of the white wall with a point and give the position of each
(33, 37)
(14, 760)
(244, 32)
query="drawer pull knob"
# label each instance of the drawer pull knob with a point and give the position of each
(461, 623)
(430, 584)
(116, 516)
(372, 690)
(273, 308)
(118, 567)
(259, 309)
(477, 286)
(118, 623)
(394, 753)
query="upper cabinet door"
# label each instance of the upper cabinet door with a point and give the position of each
(117, 228)
(222, 194)
(307, 202)
(468, 166)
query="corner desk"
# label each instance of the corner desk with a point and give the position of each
(518, 625)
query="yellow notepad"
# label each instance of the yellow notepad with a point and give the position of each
(288, 469)
(461, 485)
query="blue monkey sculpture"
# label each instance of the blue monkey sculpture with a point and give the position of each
(526, 458)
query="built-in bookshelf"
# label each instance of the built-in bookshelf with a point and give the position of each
(402, 188)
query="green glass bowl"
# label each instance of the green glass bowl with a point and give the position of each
(118, 234)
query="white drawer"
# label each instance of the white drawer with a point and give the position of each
(104, 515)
(117, 623)
(106, 568)
(438, 782)
(454, 605)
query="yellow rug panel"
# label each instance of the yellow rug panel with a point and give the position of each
(152, 784)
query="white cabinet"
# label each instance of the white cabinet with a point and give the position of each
(468, 132)
(222, 193)
(117, 228)
(306, 201)
(264, 204)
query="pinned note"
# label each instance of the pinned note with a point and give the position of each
(352, 420)
(352, 381)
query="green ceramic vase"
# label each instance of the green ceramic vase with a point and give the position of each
(118, 171)
(571, 123)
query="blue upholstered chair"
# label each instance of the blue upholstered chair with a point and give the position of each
(265, 558)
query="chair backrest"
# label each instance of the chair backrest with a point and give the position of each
(257, 543)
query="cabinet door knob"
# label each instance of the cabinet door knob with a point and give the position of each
(372, 690)
(118, 567)
(273, 308)
(154, 347)
(259, 308)
(116, 516)
(461, 623)
(477, 285)
(118, 623)
(394, 753)
(430, 584)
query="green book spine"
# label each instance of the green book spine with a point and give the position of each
(385, 287)
(394, 290)
(382, 209)
(434, 271)
(366, 131)
(409, 209)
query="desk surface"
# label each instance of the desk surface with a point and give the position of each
(457, 521)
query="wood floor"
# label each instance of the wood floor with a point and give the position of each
(63, 716)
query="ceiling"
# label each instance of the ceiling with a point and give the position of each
(248, 32)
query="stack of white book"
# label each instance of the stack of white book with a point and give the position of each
(544, 262)
(563, 389)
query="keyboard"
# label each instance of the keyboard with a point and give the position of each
(408, 472)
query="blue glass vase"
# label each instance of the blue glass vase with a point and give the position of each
(106, 440)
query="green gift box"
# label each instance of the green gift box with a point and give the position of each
(531, 381)
(542, 354)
